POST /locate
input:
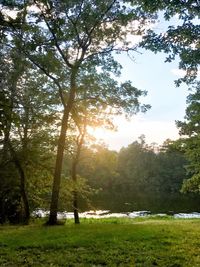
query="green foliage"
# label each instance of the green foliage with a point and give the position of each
(180, 40)
(191, 125)
(192, 184)
(27, 112)
(151, 180)
(83, 189)
(137, 178)
(190, 145)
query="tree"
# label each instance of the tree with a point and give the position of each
(99, 166)
(105, 99)
(137, 167)
(181, 40)
(63, 38)
(8, 93)
(26, 113)
(190, 145)
(136, 178)
(66, 39)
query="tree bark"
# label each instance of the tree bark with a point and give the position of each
(60, 151)
(75, 162)
(58, 168)
(75, 204)
(75, 193)
(23, 194)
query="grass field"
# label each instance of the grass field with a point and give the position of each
(109, 242)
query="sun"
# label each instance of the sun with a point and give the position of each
(99, 133)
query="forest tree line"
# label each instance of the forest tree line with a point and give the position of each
(138, 177)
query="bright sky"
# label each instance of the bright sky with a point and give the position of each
(149, 72)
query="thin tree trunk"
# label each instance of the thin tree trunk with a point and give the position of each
(75, 204)
(6, 130)
(75, 193)
(5, 146)
(2, 210)
(60, 152)
(24, 196)
(76, 159)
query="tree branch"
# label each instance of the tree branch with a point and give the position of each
(54, 38)
(50, 76)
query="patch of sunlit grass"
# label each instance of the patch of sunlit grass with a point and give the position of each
(103, 242)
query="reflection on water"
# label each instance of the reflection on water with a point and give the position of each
(193, 215)
(98, 214)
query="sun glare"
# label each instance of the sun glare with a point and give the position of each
(100, 134)
(129, 131)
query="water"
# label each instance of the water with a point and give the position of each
(39, 213)
(193, 215)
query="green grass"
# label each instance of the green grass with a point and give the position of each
(109, 242)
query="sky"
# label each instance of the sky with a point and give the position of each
(148, 71)
(168, 102)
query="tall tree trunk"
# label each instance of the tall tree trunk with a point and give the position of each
(58, 169)
(7, 114)
(2, 210)
(5, 149)
(8, 146)
(60, 151)
(23, 194)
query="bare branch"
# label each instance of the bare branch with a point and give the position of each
(112, 49)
